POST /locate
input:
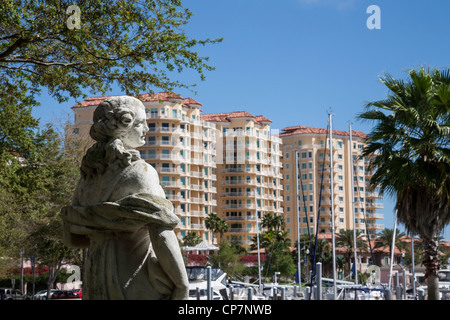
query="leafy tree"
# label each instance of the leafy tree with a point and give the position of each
(68, 46)
(384, 240)
(411, 144)
(216, 225)
(344, 239)
(191, 239)
(276, 243)
(34, 190)
(228, 260)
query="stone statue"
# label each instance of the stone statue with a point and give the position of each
(120, 213)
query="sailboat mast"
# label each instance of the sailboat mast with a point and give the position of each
(392, 250)
(332, 207)
(298, 221)
(353, 207)
(257, 241)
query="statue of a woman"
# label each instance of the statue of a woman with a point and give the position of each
(120, 213)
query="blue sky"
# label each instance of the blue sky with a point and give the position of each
(294, 61)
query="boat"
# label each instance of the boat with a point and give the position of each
(198, 283)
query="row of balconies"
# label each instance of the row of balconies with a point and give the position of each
(192, 186)
(178, 144)
(251, 194)
(182, 132)
(269, 185)
(182, 118)
(376, 226)
(251, 133)
(176, 159)
(195, 174)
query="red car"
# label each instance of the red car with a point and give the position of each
(63, 294)
(78, 293)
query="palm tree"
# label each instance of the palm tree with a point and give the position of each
(192, 239)
(384, 239)
(344, 239)
(410, 150)
(216, 224)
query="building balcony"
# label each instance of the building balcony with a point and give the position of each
(237, 194)
(198, 226)
(240, 218)
(242, 230)
(376, 205)
(375, 216)
(168, 170)
(175, 198)
(174, 184)
(237, 182)
(237, 206)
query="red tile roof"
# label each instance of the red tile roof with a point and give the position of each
(263, 119)
(160, 96)
(289, 131)
(190, 101)
(225, 117)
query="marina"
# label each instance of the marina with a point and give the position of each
(204, 280)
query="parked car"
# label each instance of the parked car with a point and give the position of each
(42, 295)
(78, 293)
(12, 294)
(63, 294)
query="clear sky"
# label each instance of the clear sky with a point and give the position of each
(294, 61)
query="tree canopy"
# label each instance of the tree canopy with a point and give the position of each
(68, 46)
(411, 143)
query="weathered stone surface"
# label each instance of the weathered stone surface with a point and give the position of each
(119, 212)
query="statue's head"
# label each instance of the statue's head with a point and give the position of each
(119, 127)
(123, 118)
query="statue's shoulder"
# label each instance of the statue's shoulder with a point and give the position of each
(139, 177)
(142, 170)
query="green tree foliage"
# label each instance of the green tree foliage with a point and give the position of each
(192, 239)
(385, 237)
(276, 243)
(411, 143)
(227, 258)
(95, 44)
(216, 224)
(33, 190)
(344, 239)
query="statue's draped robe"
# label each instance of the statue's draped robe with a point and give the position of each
(124, 219)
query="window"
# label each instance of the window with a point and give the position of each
(165, 140)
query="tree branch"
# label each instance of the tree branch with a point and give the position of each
(13, 47)
(48, 63)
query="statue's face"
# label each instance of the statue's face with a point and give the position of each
(135, 136)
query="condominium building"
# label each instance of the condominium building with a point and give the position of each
(181, 147)
(355, 204)
(248, 166)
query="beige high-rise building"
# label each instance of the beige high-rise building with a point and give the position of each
(249, 173)
(353, 208)
(181, 148)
